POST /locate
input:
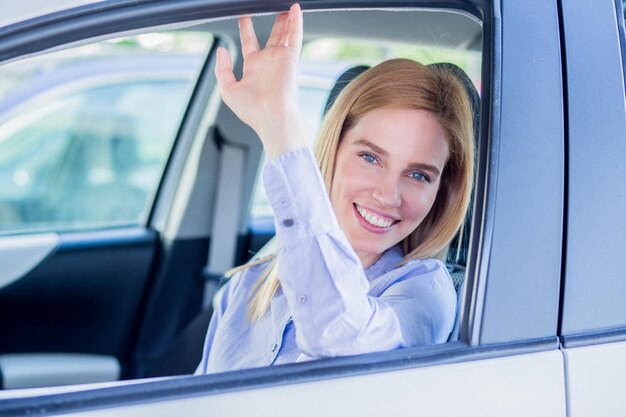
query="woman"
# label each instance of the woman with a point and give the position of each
(358, 229)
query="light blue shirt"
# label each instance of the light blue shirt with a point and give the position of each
(327, 304)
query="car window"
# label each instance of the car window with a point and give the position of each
(85, 132)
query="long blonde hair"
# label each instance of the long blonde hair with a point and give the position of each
(406, 84)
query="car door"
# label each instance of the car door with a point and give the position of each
(593, 322)
(87, 133)
(507, 359)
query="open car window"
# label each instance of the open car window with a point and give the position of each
(109, 113)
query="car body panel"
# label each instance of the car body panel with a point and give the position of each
(596, 376)
(595, 286)
(593, 323)
(526, 179)
(521, 385)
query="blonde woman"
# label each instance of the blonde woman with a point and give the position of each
(359, 224)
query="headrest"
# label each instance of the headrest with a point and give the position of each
(343, 80)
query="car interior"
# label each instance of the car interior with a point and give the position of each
(349, 24)
(155, 277)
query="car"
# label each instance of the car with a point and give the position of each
(541, 317)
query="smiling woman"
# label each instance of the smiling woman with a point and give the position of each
(357, 234)
(387, 170)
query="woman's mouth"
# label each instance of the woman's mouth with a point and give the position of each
(373, 221)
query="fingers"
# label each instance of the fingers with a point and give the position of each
(293, 35)
(224, 70)
(277, 30)
(249, 42)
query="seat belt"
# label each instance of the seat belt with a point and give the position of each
(225, 223)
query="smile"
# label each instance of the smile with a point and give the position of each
(373, 219)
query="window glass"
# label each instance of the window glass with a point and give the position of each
(85, 133)
(323, 61)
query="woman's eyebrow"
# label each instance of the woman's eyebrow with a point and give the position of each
(425, 167)
(373, 147)
(383, 153)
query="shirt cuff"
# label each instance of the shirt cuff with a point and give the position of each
(298, 196)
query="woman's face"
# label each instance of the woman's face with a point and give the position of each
(387, 173)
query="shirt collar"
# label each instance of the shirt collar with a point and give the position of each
(389, 260)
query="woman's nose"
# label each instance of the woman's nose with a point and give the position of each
(387, 193)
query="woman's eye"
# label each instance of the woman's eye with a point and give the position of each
(418, 176)
(368, 157)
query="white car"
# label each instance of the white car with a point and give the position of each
(119, 304)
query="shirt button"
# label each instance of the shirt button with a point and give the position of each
(274, 346)
(302, 299)
(288, 222)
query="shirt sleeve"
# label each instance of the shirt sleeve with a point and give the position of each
(324, 281)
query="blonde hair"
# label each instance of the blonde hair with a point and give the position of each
(405, 84)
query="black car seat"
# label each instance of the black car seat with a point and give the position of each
(344, 79)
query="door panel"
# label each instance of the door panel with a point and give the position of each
(83, 298)
(20, 254)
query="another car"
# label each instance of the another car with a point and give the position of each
(541, 318)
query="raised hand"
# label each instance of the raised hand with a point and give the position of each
(266, 97)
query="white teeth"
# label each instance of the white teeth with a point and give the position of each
(372, 218)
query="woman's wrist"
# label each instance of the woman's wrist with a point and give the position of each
(284, 136)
